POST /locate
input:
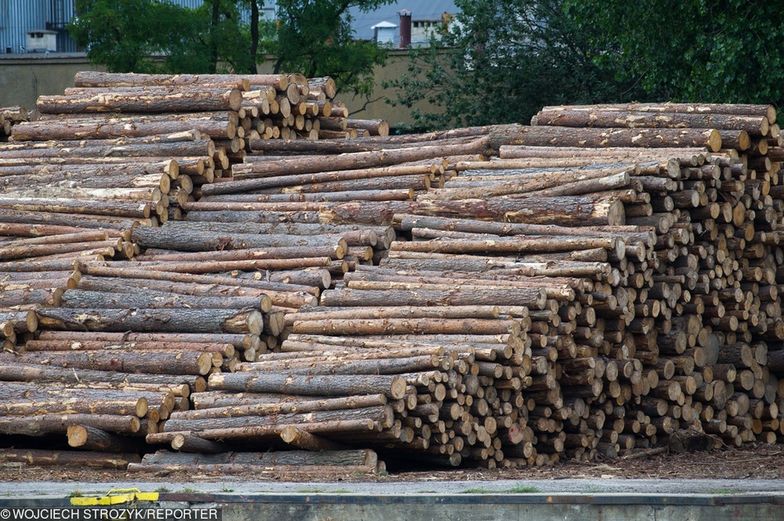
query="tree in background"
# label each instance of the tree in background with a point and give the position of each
(691, 50)
(315, 37)
(499, 61)
(502, 60)
(309, 36)
(158, 36)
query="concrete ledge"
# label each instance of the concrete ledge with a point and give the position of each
(608, 500)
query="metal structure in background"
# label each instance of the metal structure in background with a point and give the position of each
(18, 17)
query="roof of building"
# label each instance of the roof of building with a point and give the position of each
(363, 23)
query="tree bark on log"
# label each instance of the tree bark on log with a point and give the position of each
(533, 297)
(381, 414)
(738, 109)
(175, 101)
(342, 385)
(42, 458)
(564, 117)
(90, 438)
(58, 423)
(264, 167)
(171, 320)
(29, 373)
(150, 362)
(597, 138)
(183, 238)
(565, 211)
(239, 341)
(139, 298)
(218, 125)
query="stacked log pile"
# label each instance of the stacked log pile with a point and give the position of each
(727, 318)
(610, 279)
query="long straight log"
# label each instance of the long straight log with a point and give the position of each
(739, 109)
(174, 237)
(754, 125)
(592, 137)
(379, 413)
(159, 362)
(533, 297)
(183, 101)
(218, 125)
(266, 167)
(90, 459)
(239, 341)
(281, 294)
(37, 373)
(75, 298)
(567, 210)
(154, 320)
(341, 385)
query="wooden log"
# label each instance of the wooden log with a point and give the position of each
(138, 209)
(218, 125)
(319, 385)
(533, 297)
(266, 167)
(90, 438)
(739, 109)
(75, 298)
(381, 414)
(284, 405)
(154, 320)
(239, 341)
(754, 125)
(61, 402)
(172, 236)
(280, 295)
(44, 458)
(566, 210)
(28, 373)
(155, 102)
(594, 137)
(113, 148)
(304, 440)
(376, 127)
(404, 325)
(151, 362)
(41, 424)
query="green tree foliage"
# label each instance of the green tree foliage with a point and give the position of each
(315, 37)
(690, 50)
(158, 36)
(499, 61)
(503, 59)
(309, 36)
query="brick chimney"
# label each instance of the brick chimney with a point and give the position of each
(405, 28)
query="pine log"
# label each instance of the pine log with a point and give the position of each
(319, 385)
(43, 458)
(182, 101)
(154, 320)
(592, 137)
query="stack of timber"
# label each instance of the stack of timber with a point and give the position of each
(10, 116)
(608, 281)
(294, 186)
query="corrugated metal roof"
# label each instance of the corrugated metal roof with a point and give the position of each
(17, 17)
(420, 10)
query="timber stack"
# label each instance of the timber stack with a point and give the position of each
(607, 279)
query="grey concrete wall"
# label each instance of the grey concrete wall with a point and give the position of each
(24, 77)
